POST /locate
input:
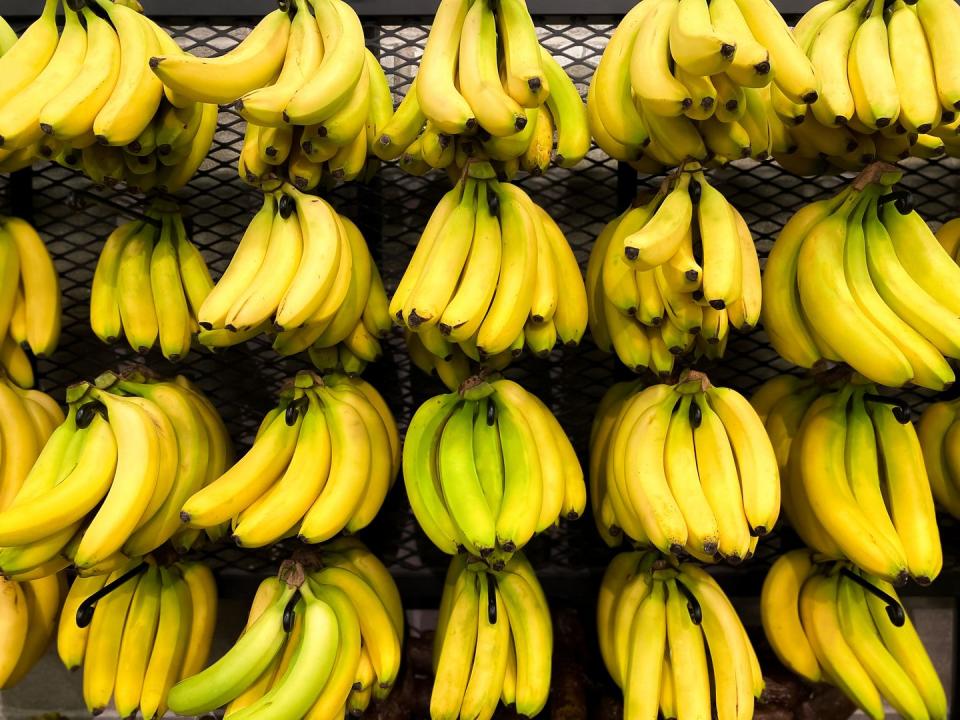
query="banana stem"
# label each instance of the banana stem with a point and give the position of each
(85, 611)
(894, 609)
(693, 605)
(902, 417)
(491, 599)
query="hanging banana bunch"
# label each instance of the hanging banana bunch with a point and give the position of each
(855, 485)
(493, 643)
(671, 640)
(889, 88)
(860, 279)
(29, 610)
(671, 277)
(317, 641)
(830, 623)
(323, 461)
(303, 272)
(685, 468)
(30, 311)
(141, 637)
(503, 278)
(487, 467)
(150, 284)
(86, 99)
(110, 480)
(466, 105)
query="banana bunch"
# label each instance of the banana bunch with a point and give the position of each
(487, 467)
(854, 481)
(885, 69)
(145, 635)
(314, 98)
(689, 79)
(672, 276)
(938, 431)
(85, 98)
(306, 273)
(28, 618)
(27, 419)
(859, 278)
(314, 651)
(492, 272)
(686, 468)
(493, 642)
(323, 461)
(29, 300)
(466, 104)
(657, 624)
(149, 284)
(331, 152)
(110, 481)
(831, 624)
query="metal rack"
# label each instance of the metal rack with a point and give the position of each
(391, 211)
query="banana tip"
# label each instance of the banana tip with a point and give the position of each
(155, 62)
(184, 517)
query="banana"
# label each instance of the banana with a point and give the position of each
(464, 313)
(717, 463)
(402, 128)
(241, 666)
(319, 263)
(30, 54)
(222, 80)
(922, 256)
(337, 688)
(687, 656)
(829, 55)
(137, 469)
(820, 265)
(648, 642)
(202, 589)
(818, 607)
(730, 649)
(137, 641)
(71, 113)
(826, 486)
(84, 486)
(19, 120)
(794, 74)
(870, 72)
(350, 469)
(437, 94)
(240, 485)
(42, 597)
(913, 70)
(333, 83)
(908, 493)
(456, 651)
(532, 630)
(756, 462)
(864, 638)
(8, 37)
(650, 75)
(14, 622)
(490, 659)
(518, 266)
(437, 277)
(568, 112)
(611, 90)
(780, 614)
(940, 20)
(934, 426)
(173, 315)
(719, 235)
(137, 312)
(137, 92)
(479, 77)
(304, 52)
(104, 295)
(657, 241)
(695, 44)
(907, 649)
(41, 287)
(751, 66)
(520, 511)
(285, 504)
(104, 643)
(267, 288)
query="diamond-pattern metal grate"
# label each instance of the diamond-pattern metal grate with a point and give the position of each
(391, 211)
